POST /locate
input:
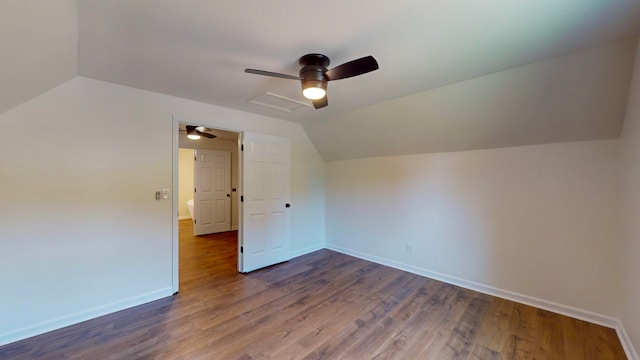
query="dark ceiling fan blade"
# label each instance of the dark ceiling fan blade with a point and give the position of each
(320, 103)
(198, 130)
(207, 135)
(269, 73)
(353, 68)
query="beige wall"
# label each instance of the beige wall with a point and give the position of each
(630, 200)
(82, 234)
(531, 223)
(185, 181)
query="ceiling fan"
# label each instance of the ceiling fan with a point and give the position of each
(314, 75)
(195, 132)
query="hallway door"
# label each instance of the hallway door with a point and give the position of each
(212, 192)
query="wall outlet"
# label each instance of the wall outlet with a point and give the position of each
(410, 248)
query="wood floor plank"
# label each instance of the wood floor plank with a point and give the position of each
(393, 323)
(334, 313)
(274, 313)
(420, 318)
(315, 313)
(323, 305)
(454, 307)
(522, 328)
(494, 333)
(378, 304)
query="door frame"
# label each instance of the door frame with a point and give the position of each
(175, 243)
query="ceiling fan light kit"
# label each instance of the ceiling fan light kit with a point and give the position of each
(313, 89)
(192, 133)
(314, 75)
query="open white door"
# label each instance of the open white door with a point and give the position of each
(265, 231)
(212, 193)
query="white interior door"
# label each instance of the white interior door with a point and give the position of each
(265, 231)
(212, 193)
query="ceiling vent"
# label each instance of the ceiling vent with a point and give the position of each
(278, 102)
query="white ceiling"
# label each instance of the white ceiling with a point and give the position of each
(38, 48)
(435, 59)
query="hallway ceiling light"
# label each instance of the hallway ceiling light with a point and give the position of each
(192, 133)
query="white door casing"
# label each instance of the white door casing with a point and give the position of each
(266, 169)
(212, 201)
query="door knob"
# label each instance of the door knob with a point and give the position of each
(287, 205)
(228, 195)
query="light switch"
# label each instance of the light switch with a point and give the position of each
(165, 194)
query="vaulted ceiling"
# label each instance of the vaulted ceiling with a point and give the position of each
(454, 75)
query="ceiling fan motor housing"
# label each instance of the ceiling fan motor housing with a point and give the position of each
(312, 73)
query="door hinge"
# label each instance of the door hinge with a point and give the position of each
(195, 221)
(241, 249)
(241, 147)
(241, 198)
(194, 189)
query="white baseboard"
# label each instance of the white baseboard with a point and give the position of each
(234, 228)
(629, 349)
(184, 217)
(570, 311)
(585, 315)
(49, 325)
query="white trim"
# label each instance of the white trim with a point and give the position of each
(81, 316)
(175, 238)
(599, 319)
(241, 203)
(184, 217)
(234, 228)
(625, 340)
(570, 311)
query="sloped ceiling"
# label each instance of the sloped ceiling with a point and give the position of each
(579, 96)
(38, 48)
(454, 75)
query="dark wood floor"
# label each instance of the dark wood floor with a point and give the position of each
(324, 305)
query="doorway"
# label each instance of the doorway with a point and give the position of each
(263, 234)
(217, 177)
(218, 143)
